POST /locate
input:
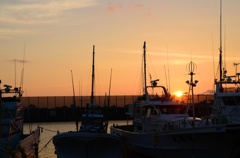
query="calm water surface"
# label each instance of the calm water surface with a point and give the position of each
(46, 147)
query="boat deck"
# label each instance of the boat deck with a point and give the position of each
(128, 128)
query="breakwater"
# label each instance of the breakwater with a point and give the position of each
(56, 109)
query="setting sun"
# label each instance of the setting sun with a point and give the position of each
(178, 93)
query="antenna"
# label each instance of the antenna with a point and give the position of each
(168, 72)
(191, 68)
(220, 49)
(110, 83)
(22, 75)
(93, 72)
(74, 101)
(150, 76)
(145, 78)
(80, 92)
(214, 75)
(225, 65)
(236, 65)
(166, 77)
(15, 73)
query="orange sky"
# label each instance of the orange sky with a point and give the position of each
(58, 37)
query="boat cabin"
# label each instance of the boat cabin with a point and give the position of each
(11, 111)
(227, 98)
(94, 120)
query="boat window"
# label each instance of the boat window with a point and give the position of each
(173, 110)
(19, 113)
(149, 111)
(156, 94)
(138, 111)
(231, 101)
(176, 109)
(96, 121)
(164, 111)
(154, 97)
(8, 114)
(14, 127)
(83, 122)
(154, 112)
(238, 101)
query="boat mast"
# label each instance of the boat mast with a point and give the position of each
(92, 91)
(74, 103)
(144, 73)
(191, 68)
(22, 75)
(1, 107)
(220, 49)
(110, 83)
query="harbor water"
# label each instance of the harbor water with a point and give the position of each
(49, 129)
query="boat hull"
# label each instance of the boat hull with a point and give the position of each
(26, 145)
(90, 145)
(205, 142)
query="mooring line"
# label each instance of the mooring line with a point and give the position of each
(49, 140)
(45, 145)
(48, 130)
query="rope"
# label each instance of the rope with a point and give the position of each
(45, 145)
(49, 130)
(49, 140)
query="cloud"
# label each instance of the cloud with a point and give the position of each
(170, 53)
(21, 17)
(114, 7)
(138, 6)
(35, 12)
(147, 9)
(9, 31)
(209, 92)
(147, 15)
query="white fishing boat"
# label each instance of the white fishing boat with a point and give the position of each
(155, 114)
(217, 135)
(162, 129)
(227, 96)
(13, 142)
(92, 140)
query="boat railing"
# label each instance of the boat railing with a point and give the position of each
(164, 125)
(220, 119)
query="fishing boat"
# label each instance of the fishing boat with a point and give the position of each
(92, 139)
(13, 141)
(227, 91)
(161, 128)
(155, 114)
(227, 97)
(217, 135)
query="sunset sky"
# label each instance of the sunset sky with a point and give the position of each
(54, 37)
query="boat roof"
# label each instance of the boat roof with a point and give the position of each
(160, 103)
